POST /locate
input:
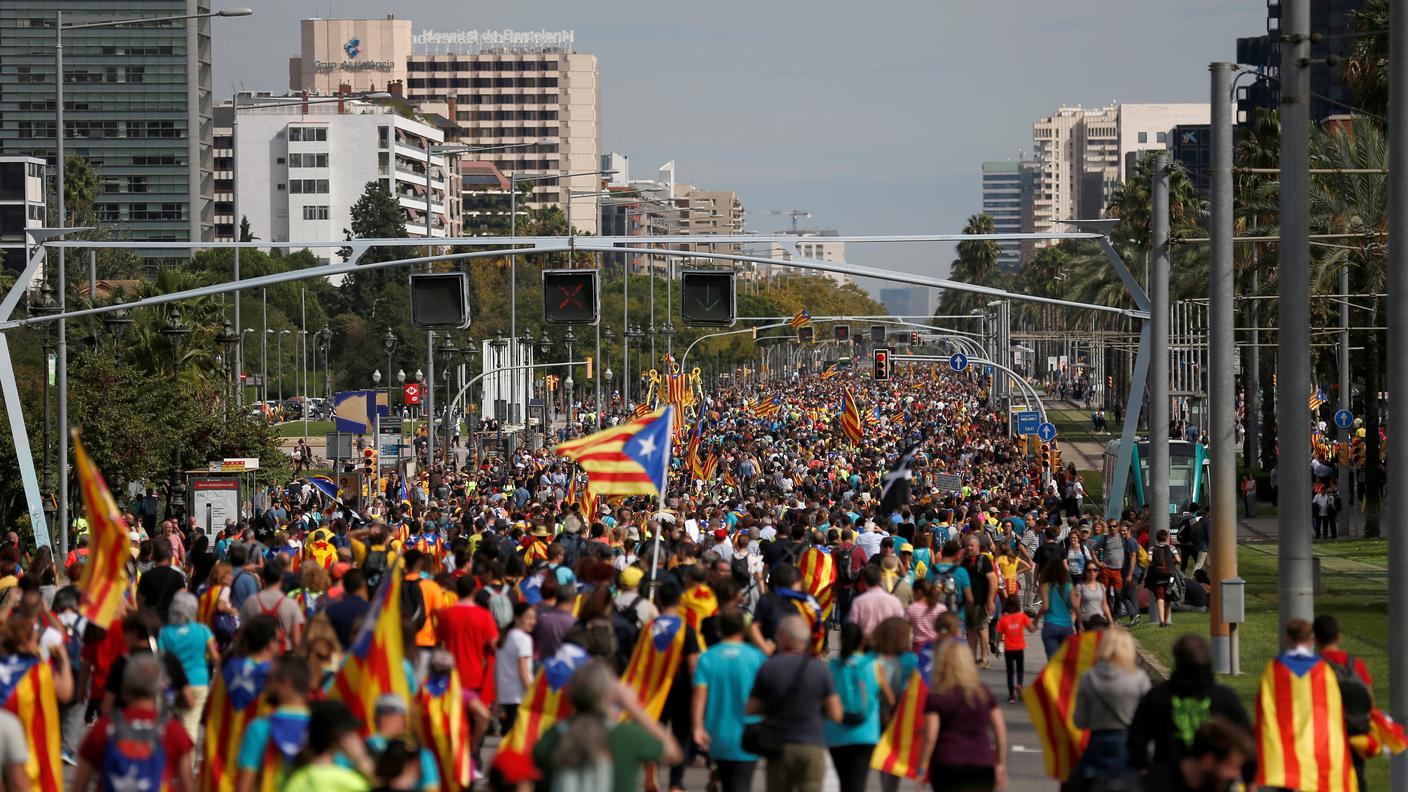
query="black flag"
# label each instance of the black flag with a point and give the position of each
(894, 493)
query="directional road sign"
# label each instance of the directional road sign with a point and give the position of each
(1344, 419)
(987, 371)
(877, 334)
(1047, 432)
(412, 393)
(1028, 422)
(707, 298)
(958, 361)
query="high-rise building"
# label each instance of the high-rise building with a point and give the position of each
(300, 167)
(1332, 22)
(21, 206)
(816, 245)
(1008, 189)
(665, 206)
(910, 301)
(1192, 147)
(531, 90)
(137, 106)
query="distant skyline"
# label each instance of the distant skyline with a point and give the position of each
(874, 117)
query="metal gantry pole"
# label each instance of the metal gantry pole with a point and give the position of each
(1343, 435)
(1296, 595)
(1158, 368)
(235, 199)
(1222, 386)
(1396, 519)
(60, 531)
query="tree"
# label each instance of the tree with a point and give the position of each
(81, 185)
(246, 235)
(976, 264)
(1366, 68)
(380, 296)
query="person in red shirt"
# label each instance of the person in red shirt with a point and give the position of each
(1327, 643)
(137, 746)
(99, 655)
(1013, 627)
(468, 631)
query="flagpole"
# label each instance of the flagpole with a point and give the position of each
(668, 417)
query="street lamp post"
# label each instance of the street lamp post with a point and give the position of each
(569, 340)
(388, 345)
(498, 345)
(327, 371)
(609, 337)
(228, 340)
(117, 323)
(544, 347)
(61, 280)
(175, 332)
(448, 352)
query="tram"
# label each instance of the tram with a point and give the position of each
(1188, 472)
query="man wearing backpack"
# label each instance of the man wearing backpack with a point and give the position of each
(850, 559)
(1356, 686)
(137, 744)
(1163, 566)
(271, 602)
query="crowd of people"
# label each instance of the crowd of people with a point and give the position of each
(804, 596)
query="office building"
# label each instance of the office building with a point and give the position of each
(1333, 23)
(1191, 146)
(816, 245)
(907, 301)
(499, 87)
(1008, 191)
(21, 206)
(618, 169)
(300, 167)
(137, 104)
(665, 206)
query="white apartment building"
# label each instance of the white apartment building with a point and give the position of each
(500, 87)
(818, 245)
(1149, 127)
(299, 168)
(22, 206)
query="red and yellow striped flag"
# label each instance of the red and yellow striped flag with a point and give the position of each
(818, 570)
(851, 422)
(591, 507)
(1051, 702)
(444, 729)
(545, 704)
(902, 743)
(208, 605)
(1301, 740)
(801, 319)
(105, 579)
(654, 662)
(710, 467)
(1384, 735)
(376, 664)
(27, 691)
(698, 604)
(236, 698)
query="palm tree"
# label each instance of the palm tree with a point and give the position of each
(976, 264)
(1366, 68)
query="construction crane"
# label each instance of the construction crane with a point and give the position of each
(792, 213)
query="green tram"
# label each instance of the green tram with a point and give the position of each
(1187, 474)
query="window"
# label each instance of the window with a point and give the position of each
(1143, 137)
(383, 136)
(1161, 137)
(309, 160)
(315, 213)
(307, 134)
(295, 134)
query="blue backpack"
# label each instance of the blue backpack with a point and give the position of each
(135, 756)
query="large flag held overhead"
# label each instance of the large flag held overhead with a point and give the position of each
(27, 692)
(894, 492)
(818, 570)
(763, 408)
(376, 664)
(851, 421)
(829, 372)
(1317, 398)
(1301, 739)
(236, 698)
(1051, 701)
(326, 486)
(654, 662)
(444, 729)
(104, 580)
(630, 459)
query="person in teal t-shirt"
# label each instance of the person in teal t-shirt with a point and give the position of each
(723, 678)
(858, 681)
(270, 743)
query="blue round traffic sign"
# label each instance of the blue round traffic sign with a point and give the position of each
(1344, 419)
(1047, 432)
(958, 361)
(987, 371)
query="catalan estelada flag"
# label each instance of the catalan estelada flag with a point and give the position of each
(441, 722)
(654, 662)
(818, 570)
(1051, 702)
(1384, 735)
(641, 411)
(1301, 740)
(800, 319)
(763, 408)
(698, 604)
(207, 605)
(544, 704)
(901, 745)
(828, 372)
(105, 579)
(375, 666)
(1317, 398)
(591, 507)
(236, 698)
(27, 691)
(851, 421)
(630, 459)
(691, 454)
(872, 417)
(810, 611)
(709, 468)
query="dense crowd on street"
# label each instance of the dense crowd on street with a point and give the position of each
(818, 606)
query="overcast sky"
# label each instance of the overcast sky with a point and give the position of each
(874, 116)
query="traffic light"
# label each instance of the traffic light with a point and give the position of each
(707, 298)
(882, 365)
(369, 461)
(914, 339)
(1045, 456)
(806, 334)
(589, 366)
(440, 300)
(843, 332)
(1055, 456)
(570, 296)
(877, 334)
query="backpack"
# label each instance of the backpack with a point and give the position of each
(851, 687)
(846, 568)
(1163, 561)
(374, 566)
(1142, 556)
(1358, 700)
(594, 776)
(501, 606)
(135, 751)
(413, 604)
(73, 642)
(285, 644)
(1044, 555)
(947, 581)
(625, 621)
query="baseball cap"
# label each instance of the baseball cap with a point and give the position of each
(631, 577)
(906, 548)
(720, 534)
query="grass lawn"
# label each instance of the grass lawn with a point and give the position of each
(1074, 426)
(1355, 580)
(1094, 482)
(295, 429)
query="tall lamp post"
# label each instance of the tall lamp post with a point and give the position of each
(545, 347)
(388, 345)
(61, 279)
(569, 340)
(609, 337)
(448, 352)
(117, 323)
(327, 372)
(228, 340)
(175, 332)
(498, 345)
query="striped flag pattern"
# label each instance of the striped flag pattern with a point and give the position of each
(818, 570)
(375, 665)
(27, 692)
(810, 611)
(829, 372)
(851, 422)
(545, 703)
(698, 604)
(1301, 740)
(654, 662)
(709, 467)
(1384, 735)
(236, 698)
(105, 578)
(1051, 703)
(606, 456)
(801, 319)
(207, 605)
(902, 742)
(765, 407)
(1317, 398)
(641, 411)
(444, 730)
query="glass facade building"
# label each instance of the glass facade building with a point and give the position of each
(137, 106)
